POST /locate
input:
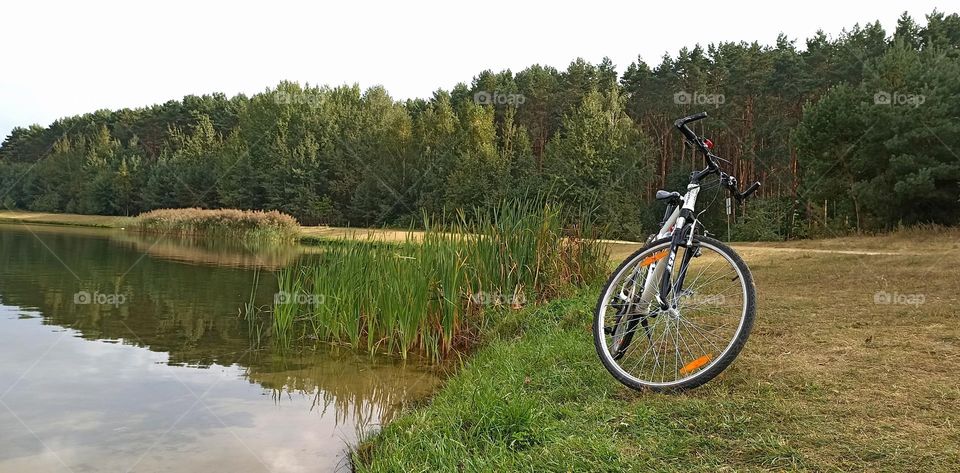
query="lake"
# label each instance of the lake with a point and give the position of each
(123, 352)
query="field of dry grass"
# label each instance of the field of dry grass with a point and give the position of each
(862, 349)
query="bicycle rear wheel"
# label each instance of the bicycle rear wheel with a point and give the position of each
(711, 310)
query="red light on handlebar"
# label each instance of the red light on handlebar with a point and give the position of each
(708, 143)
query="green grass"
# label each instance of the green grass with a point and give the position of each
(432, 293)
(537, 399)
(244, 226)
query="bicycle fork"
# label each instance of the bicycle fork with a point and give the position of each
(661, 268)
(666, 288)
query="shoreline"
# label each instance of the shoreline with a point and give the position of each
(309, 235)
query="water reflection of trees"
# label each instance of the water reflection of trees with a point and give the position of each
(204, 251)
(191, 313)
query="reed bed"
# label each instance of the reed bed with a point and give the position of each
(432, 295)
(244, 226)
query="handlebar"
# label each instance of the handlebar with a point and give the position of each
(712, 167)
(730, 183)
(681, 125)
(750, 190)
(692, 118)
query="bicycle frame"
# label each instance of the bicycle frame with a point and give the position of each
(673, 221)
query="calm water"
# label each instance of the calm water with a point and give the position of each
(124, 353)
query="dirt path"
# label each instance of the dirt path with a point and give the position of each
(812, 250)
(619, 250)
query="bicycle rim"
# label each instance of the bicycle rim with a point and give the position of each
(671, 348)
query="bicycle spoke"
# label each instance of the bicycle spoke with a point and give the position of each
(703, 334)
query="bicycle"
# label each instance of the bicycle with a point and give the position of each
(694, 321)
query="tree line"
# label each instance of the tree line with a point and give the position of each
(854, 131)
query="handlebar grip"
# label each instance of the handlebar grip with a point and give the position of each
(692, 118)
(750, 190)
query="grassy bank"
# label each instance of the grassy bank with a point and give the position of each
(433, 292)
(308, 235)
(830, 380)
(247, 226)
(101, 221)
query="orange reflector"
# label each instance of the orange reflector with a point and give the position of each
(653, 258)
(696, 364)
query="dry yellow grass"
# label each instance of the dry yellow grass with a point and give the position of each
(64, 219)
(334, 233)
(860, 351)
(857, 344)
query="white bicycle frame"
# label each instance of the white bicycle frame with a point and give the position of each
(672, 222)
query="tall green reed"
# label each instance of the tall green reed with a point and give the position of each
(287, 304)
(251, 313)
(431, 294)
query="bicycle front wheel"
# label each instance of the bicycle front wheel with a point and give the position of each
(710, 312)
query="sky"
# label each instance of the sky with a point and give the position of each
(63, 58)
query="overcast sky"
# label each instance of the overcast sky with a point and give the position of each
(69, 57)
